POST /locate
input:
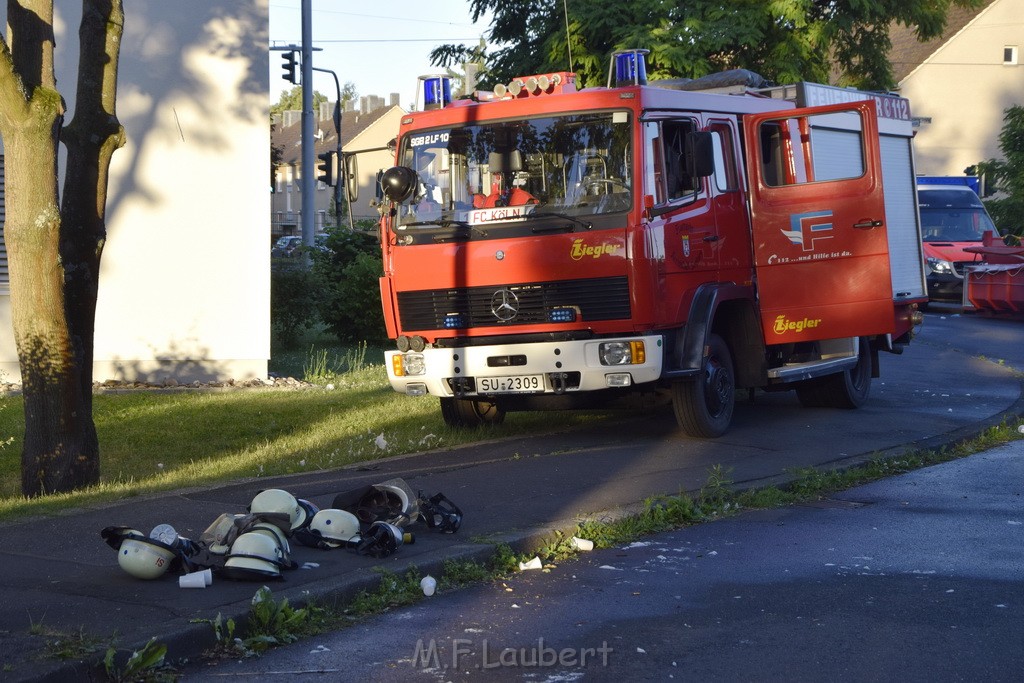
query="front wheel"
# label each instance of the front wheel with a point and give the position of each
(704, 405)
(465, 412)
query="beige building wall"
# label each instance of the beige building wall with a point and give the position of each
(378, 135)
(185, 281)
(964, 88)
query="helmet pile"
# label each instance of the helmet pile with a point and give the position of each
(256, 545)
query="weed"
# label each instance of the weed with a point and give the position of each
(392, 591)
(62, 645)
(224, 634)
(459, 573)
(146, 664)
(270, 623)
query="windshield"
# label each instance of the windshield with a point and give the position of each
(953, 216)
(515, 172)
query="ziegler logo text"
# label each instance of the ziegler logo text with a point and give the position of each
(783, 325)
(579, 249)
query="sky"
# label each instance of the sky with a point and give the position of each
(381, 48)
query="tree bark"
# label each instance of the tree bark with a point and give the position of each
(90, 138)
(54, 253)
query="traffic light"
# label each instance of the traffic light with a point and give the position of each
(289, 66)
(327, 169)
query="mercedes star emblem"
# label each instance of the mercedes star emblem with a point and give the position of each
(504, 305)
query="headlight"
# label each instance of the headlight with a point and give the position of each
(414, 364)
(622, 353)
(940, 266)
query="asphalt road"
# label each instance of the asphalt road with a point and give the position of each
(913, 578)
(916, 578)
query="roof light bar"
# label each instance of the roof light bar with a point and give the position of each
(436, 91)
(628, 67)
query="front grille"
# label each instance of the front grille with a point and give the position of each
(596, 299)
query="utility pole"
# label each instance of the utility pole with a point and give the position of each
(308, 151)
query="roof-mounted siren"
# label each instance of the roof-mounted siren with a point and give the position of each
(628, 67)
(436, 91)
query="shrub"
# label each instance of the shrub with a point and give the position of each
(293, 294)
(347, 276)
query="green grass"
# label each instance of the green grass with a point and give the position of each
(168, 440)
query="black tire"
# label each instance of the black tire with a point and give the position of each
(464, 412)
(848, 389)
(704, 405)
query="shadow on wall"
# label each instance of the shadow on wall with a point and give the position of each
(160, 66)
(169, 368)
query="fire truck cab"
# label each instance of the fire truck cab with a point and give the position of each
(550, 248)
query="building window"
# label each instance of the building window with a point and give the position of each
(1010, 55)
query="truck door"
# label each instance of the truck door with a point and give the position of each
(818, 220)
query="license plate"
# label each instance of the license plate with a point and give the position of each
(513, 384)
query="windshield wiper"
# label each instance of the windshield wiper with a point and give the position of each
(586, 225)
(446, 223)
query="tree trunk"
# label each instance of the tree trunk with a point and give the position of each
(54, 254)
(53, 458)
(90, 139)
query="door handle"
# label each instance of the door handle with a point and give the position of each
(711, 238)
(868, 224)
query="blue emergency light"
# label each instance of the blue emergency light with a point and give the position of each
(628, 68)
(437, 91)
(454, 321)
(562, 315)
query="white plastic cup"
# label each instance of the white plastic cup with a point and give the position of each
(429, 584)
(535, 563)
(207, 576)
(582, 543)
(193, 580)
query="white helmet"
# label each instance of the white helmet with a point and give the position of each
(254, 555)
(335, 527)
(142, 557)
(281, 502)
(274, 532)
(310, 509)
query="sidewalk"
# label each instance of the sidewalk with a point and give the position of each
(59, 576)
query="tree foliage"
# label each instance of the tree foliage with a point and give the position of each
(55, 240)
(783, 40)
(1006, 175)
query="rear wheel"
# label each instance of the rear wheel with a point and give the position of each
(846, 389)
(465, 412)
(704, 405)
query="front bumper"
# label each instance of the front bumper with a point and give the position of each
(553, 368)
(945, 287)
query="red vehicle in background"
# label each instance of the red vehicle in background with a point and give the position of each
(953, 218)
(552, 248)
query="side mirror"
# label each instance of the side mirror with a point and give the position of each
(399, 183)
(351, 170)
(700, 154)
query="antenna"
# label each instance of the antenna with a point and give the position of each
(568, 41)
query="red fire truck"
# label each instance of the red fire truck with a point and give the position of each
(551, 248)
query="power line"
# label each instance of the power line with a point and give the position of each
(374, 16)
(384, 40)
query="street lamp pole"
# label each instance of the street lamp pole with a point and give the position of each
(341, 178)
(308, 152)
